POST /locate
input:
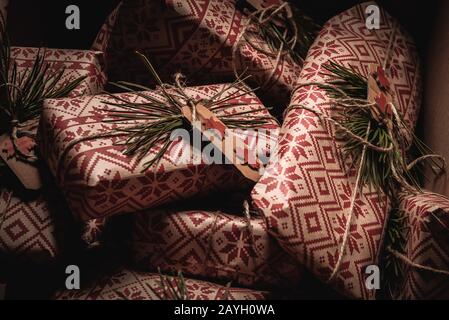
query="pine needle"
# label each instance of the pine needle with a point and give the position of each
(173, 288)
(147, 126)
(378, 167)
(22, 93)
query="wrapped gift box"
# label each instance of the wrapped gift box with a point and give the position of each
(36, 227)
(212, 245)
(126, 284)
(4, 8)
(195, 38)
(306, 195)
(28, 219)
(77, 63)
(99, 180)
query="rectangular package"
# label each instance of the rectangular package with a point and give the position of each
(99, 180)
(28, 218)
(77, 63)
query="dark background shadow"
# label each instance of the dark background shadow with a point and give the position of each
(42, 22)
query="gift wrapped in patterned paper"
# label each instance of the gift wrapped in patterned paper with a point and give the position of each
(127, 284)
(98, 180)
(203, 40)
(424, 260)
(214, 245)
(28, 218)
(307, 194)
(77, 63)
(58, 68)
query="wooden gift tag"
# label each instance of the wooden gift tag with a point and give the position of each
(379, 92)
(27, 173)
(207, 120)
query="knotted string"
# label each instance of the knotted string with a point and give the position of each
(189, 101)
(414, 265)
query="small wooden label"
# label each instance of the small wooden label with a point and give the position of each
(27, 173)
(206, 121)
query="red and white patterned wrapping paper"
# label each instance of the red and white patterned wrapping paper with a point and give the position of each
(194, 37)
(427, 245)
(132, 285)
(306, 195)
(99, 181)
(212, 245)
(27, 225)
(77, 63)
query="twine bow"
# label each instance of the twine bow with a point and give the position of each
(165, 115)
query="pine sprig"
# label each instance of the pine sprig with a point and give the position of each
(380, 170)
(385, 171)
(173, 288)
(22, 93)
(158, 118)
(348, 80)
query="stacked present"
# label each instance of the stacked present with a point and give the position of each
(251, 208)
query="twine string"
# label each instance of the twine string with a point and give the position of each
(351, 212)
(180, 87)
(261, 18)
(256, 251)
(403, 183)
(414, 265)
